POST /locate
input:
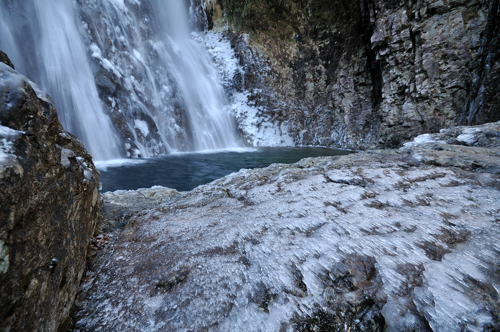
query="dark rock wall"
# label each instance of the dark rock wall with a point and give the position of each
(49, 208)
(483, 102)
(368, 73)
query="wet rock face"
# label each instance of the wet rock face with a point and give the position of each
(5, 59)
(483, 100)
(371, 73)
(49, 208)
(395, 240)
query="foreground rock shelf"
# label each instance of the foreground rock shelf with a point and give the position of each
(399, 240)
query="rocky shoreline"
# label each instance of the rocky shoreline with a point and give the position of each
(393, 240)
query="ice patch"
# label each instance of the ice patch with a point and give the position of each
(248, 254)
(260, 131)
(468, 136)
(6, 131)
(120, 4)
(238, 150)
(3, 155)
(110, 67)
(96, 51)
(220, 50)
(425, 138)
(422, 139)
(6, 145)
(104, 165)
(142, 126)
(138, 56)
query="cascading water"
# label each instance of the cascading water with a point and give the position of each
(43, 41)
(160, 83)
(212, 127)
(159, 87)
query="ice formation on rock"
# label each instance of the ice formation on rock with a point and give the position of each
(407, 238)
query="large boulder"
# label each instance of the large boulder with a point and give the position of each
(49, 208)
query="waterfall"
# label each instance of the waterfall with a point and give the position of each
(196, 77)
(124, 75)
(44, 42)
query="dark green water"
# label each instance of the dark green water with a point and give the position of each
(187, 171)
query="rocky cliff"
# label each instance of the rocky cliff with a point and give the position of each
(365, 73)
(49, 207)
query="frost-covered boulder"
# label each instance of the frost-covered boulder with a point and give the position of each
(398, 240)
(49, 207)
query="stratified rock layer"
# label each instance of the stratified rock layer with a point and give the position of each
(368, 73)
(403, 240)
(49, 207)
